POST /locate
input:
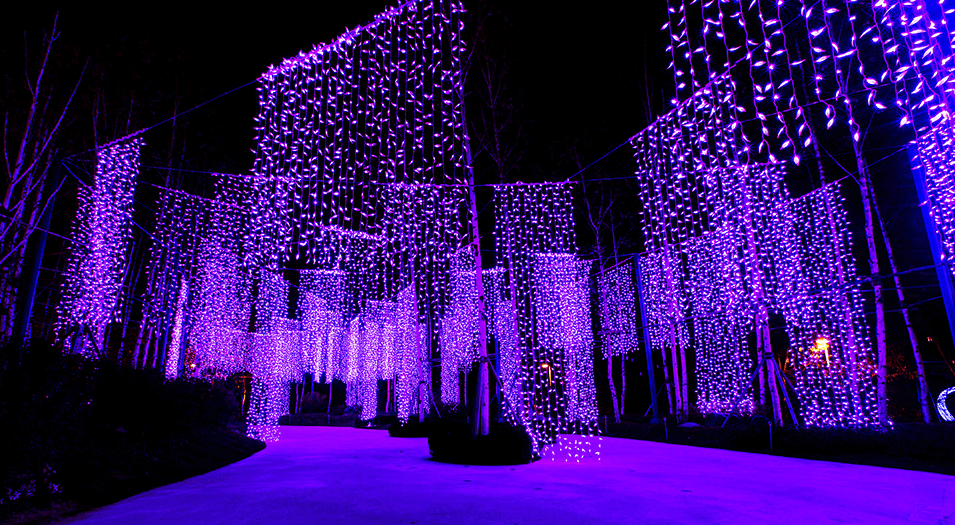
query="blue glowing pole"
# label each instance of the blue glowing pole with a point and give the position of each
(35, 247)
(646, 340)
(941, 267)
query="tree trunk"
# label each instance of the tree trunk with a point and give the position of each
(923, 393)
(157, 336)
(666, 381)
(623, 384)
(685, 397)
(675, 360)
(328, 406)
(764, 348)
(131, 295)
(679, 409)
(767, 350)
(762, 379)
(481, 411)
(868, 206)
(422, 392)
(613, 389)
(387, 395)
(139, 343)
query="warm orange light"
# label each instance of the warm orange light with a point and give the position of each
(822, 347)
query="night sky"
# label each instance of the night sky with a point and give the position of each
(580, 82)
(577, 76)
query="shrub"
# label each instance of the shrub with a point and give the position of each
(412, 428)
(314, 402)
(45, 399)
(378, 422)
(79, 426)
(451, 441)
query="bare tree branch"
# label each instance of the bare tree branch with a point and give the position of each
(59, 121)
(6, 155)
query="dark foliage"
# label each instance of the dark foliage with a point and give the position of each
(451, 441)
(378, 422)
(91, 432)
(412, 428)
(314, 403)
(910, 446)
(337, 417)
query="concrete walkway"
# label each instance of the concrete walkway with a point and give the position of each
(328, 475)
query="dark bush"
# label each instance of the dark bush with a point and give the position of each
(92, 431)
(144, 402)
(913, 446)
(451, 441)
(378, 422)
(314, 402)
(412, 428)
(45, 401)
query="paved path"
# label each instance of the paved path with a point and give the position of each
(329, 475)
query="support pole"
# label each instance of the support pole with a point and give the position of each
(183, 332)
(30, 272)
(941, 268)
(481, 411)
(646, 340)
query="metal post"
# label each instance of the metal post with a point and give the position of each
(182, 334)
(941, 268)
(646, 340)
(36, 244)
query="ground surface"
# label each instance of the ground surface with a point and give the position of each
(342, 475)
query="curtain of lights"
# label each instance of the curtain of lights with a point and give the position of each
(919, 42)
(274, 356)
(783, 74)
(551, 350)
(459, 330)
(562, 309)
(795, 64)
(830, 351)
(617, 311)
(938, 162)
(720, 261)
(222, 303)
(502, 323)
(101, 232)
(183, 225)
(360, 176)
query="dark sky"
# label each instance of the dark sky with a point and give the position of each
(581, 79)
(578, 75)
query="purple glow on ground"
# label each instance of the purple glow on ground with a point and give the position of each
(345, 475)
